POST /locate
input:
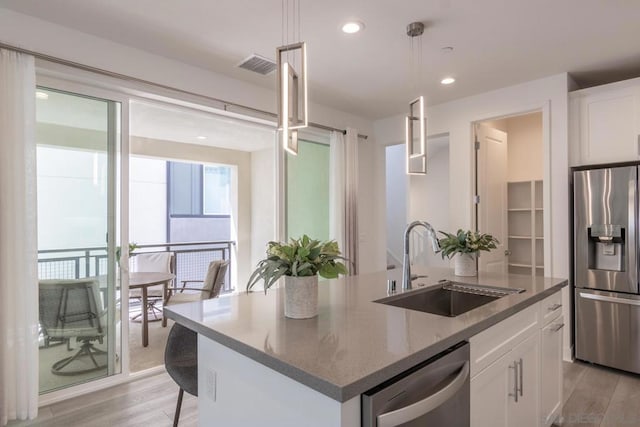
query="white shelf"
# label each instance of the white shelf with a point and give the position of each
(524, 232)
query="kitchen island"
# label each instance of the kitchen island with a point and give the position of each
(256, 366)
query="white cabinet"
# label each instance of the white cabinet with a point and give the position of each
(551, 361)
(490, 394)
(523, 403)
(608, 123)
(506, 393)
(516, 369)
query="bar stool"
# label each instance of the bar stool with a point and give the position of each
(181, 362)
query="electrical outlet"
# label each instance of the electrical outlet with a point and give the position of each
(210, 384)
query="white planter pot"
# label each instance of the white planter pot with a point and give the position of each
(301, 297)
(465, 265)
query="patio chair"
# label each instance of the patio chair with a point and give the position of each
(73, 308)
(155, 262)
(211, 286)
(181, 362)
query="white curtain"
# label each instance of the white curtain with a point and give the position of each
(343, 218)
(18, 239)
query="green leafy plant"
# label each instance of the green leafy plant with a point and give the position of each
(132, 247)
(299, 258)
(465, 242)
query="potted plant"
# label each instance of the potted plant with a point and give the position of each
(299, 261)
(466, 245)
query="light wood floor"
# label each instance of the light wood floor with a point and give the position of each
(593, 396)
(148, 402)
(598, 396)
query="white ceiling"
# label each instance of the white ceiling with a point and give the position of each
(496, 42)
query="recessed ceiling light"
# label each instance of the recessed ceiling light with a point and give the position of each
(447, 80)
(352, 27)
(201, 137)
(42, 95)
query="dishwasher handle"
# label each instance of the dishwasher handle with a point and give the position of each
(426, 405)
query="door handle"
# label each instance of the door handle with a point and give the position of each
(507, 252)
(614, 300)
(515, 381)
(426, 405)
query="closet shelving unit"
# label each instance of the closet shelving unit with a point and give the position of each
(525, 228)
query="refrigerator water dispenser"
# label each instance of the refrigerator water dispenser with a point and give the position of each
(606, 247)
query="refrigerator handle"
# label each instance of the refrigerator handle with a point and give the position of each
(633, 232)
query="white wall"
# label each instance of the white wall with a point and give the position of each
(147, 200)
(371, 209)
(457, 117)
(525, 160)
(396, 205)
(263, 199)
(429, 201)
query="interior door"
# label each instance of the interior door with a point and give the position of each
(491, 179)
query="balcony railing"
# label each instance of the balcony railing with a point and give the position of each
(189, 263)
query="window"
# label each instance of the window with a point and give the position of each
(216, 191)
(199, 190)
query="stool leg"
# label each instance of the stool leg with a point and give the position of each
(176, 417)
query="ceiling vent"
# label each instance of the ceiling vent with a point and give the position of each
(258, 64)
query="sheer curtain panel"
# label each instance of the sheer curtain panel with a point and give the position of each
(18, 239)
(336, 188)
(344, 194)
(351, 199)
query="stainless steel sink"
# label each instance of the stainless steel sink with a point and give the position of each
(449, 299)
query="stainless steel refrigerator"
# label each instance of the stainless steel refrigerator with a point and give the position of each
(607, 302)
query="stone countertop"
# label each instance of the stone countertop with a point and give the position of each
(354, 343)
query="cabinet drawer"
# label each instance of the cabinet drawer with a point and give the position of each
(489, 345)
(550, 308)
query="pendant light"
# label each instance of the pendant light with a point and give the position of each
(416, 122)
(291, 63)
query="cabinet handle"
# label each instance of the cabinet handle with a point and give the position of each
(521, 381)
(554, 307)
(556, 328)
(515, 381)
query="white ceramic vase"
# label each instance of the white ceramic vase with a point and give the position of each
(301, 297)
(465, 265)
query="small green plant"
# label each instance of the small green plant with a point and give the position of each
(299, 258)
(465, 242)
(132, 247)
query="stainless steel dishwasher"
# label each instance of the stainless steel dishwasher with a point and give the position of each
(435, 393)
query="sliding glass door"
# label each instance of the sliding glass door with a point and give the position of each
(307, 191)
(78, 139)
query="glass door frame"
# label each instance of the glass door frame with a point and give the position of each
(118, 195)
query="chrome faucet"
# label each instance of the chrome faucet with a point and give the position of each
(406, 264)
